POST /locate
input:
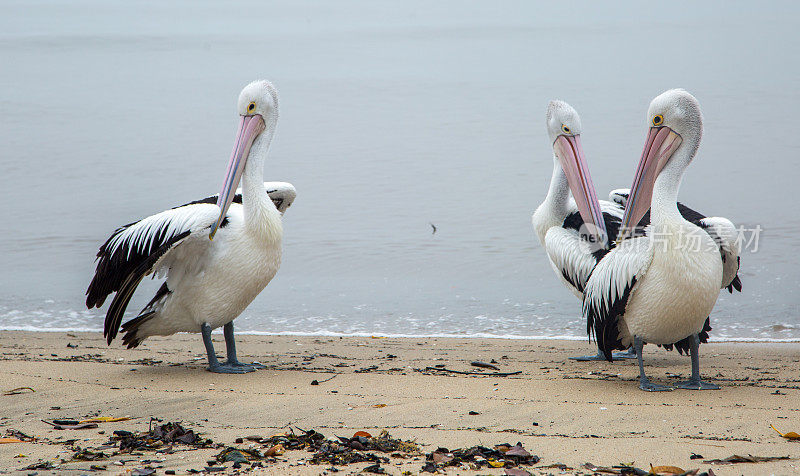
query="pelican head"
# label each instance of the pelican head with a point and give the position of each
(676, 123)
(258, 111)
(564, 129)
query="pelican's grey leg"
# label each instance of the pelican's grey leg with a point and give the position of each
(695, 383)
(230, 346)
(213, 363)
(644, 382)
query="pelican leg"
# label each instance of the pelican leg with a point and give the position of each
(695, 383)
(230, 347)
(213, 363)
(644, 382)
(628, 354)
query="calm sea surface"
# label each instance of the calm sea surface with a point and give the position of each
(394, 116)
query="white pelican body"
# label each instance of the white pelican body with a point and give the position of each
(678, 290)
(209, 281)
(217, 254)
(659, 287)
(236, 267)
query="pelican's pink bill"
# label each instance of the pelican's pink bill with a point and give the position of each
(570, 153)
(661, 143)
(249, 128)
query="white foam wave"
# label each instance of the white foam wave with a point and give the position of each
(476, 335)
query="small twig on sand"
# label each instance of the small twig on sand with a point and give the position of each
(493, 374)
(330, 378)
(17, 391)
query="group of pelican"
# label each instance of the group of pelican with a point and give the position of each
(648, 269)
(220, 252)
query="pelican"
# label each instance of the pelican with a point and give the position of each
(571, 223)
(217, 253)
(659, 287)
(562, 230)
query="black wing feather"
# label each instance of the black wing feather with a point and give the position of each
(603, 324)
(114, 266)
(128, 286)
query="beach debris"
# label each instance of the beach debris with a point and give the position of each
(157, 436)
(789, 436)
(234, 455)
(64, 421)
(696, 456)
(476, 457)
(339, 451)
(70, 425)
(433, 227)
(325, 380)
(745, 459)
(366, 369)
(143, 471)
(18, 390)
(89, 455)
(558, 466)
(666, 470)
(105, 419)
(473, 412)
(276, 450)
(39, 465)
(11, 433)
(461, 372)
(308, 440)
(375, 469)
(483, 365)
(621, 469)
(10, 440)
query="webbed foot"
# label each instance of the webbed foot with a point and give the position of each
(589, 358)
(652, 387)
(698, 384)
(252, 367)
(628, 354)
(228, 368)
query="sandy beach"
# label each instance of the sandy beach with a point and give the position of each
(567, 413)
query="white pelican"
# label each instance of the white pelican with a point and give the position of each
(659, 287)
(559, 223)
(572, 224)
(217, 253)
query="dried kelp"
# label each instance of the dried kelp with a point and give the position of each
(158, 436)
(501, 456)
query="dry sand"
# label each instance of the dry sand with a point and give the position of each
(563, 411)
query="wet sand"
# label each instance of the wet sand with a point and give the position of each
(565, 412)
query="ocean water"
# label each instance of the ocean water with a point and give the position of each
(394, 116)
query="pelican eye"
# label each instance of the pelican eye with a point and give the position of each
(658, 119)
(251, 107)
(565, 129)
